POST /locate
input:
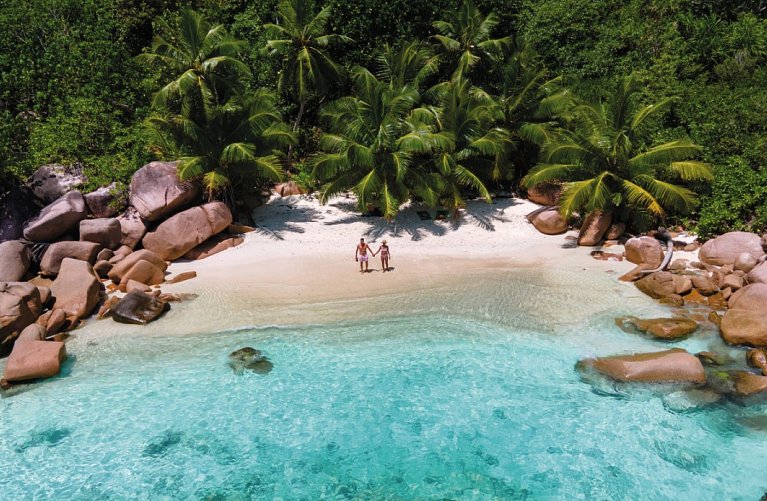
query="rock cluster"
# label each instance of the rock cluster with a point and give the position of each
(730, 281)
(89, 257)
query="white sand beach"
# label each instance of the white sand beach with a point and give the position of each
(301, 257)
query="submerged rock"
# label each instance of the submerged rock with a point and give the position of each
(690, 400)
(741, 386)
(138, 307)
(668, 329)
(670, 366)
(250, 359)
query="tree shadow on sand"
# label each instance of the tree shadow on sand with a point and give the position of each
(409, 223)
(286, 217)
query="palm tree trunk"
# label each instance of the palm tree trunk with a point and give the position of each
(296, 124)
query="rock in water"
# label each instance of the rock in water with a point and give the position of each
(35, 360)
(668, 329)
(671, 366)
(138, 307)
(250, 359)
(20, 306)
(745, 322)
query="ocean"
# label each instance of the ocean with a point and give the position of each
(465, 391)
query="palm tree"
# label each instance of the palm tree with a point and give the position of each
(408, 65)
(203, 61)
(373, 145)
(474, 144)
(603, 166)
(532, 104)
(465, 36)
(308, 70)
(235, 145)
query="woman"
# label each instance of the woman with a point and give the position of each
(385, 255)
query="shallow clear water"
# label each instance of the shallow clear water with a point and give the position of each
(478, 400)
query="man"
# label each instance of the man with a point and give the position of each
(361, 254)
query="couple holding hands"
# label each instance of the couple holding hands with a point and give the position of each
(361, 255)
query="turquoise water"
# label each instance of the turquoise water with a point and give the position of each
(439, 403)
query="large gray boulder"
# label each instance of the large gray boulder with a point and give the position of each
(106, 232)
(77, 289)
(106, 201)
(57, 219)
(56, 253)
(132, 227)
(51, 182)
(726, 249)
(15, 258)
(20, 306)
(156, 191)
(186, 230)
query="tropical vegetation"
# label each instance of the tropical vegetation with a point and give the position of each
(434, 102)
(598, 156)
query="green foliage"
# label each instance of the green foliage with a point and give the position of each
(223, 135)
(90, 133)
(474, 148)
(68, 90)
(738, 200)
(599, 159)
(465, 37)
(373, 141)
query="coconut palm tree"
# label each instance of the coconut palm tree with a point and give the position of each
(374, 143)
(603, 165)
(465, 37)
(233, 147)
(474, 145)
(411, 64)
(532, 103)
(300, 39)
(202, 60)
